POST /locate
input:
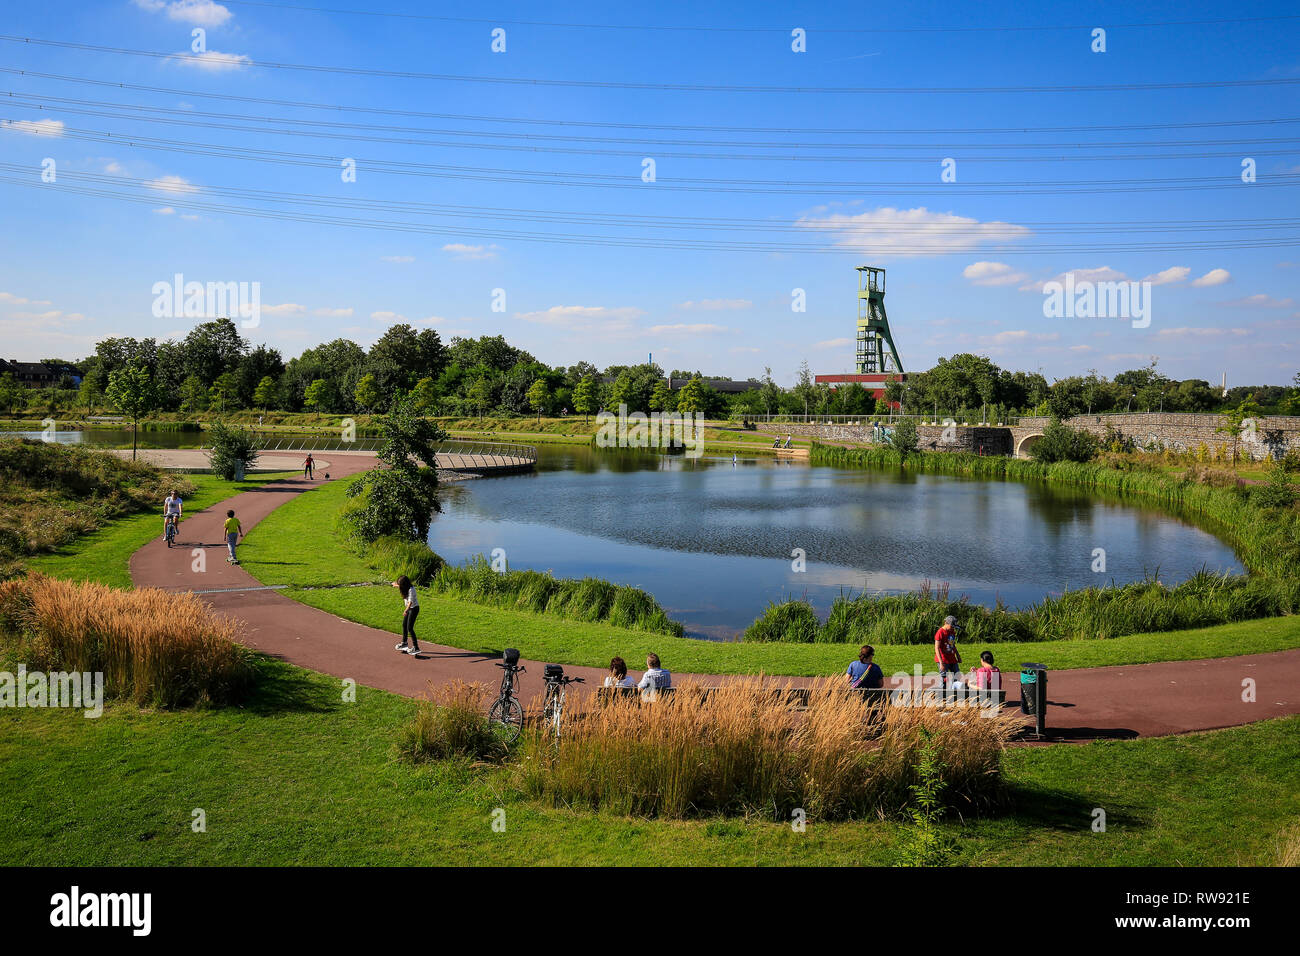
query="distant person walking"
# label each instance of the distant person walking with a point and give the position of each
(411, 601)
(172, 506)
(307, 467)
(233, 531)
(864, 673)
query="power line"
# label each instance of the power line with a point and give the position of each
(666, 127)
(973, 229)
(718, 29)
(892, 248)
(498, 175)
(672, 87)
(191, 117)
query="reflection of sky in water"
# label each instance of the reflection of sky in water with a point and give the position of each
(713, 541)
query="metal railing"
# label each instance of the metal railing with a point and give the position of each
(875, 419)
(453, 455)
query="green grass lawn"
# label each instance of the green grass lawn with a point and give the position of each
(296, 545)
(104, 555)
(297, 776)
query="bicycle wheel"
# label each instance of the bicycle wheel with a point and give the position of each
(508, 718)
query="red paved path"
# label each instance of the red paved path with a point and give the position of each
(1125, 701)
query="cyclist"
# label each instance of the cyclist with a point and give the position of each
(172, 507)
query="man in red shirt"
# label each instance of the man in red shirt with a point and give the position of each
(946, 654)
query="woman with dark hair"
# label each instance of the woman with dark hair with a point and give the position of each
(863, 673)
(412, 602)
(617, 676)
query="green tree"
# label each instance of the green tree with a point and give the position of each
(10, 391)
(661, 398)
(264, 393)
(538, 396)
(904, 438)
(234, 450)
(225, 391)
(1060, 442)
(586, 399)
(693, 397)
(770, 393)
(367, 392)
(400, 497)
(804, 388)
(425, 394)
(213, 348)
(480, 394)
(319, 395)
(193, 396)
(133, 391)
(1234, 421)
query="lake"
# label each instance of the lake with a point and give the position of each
(713, 541)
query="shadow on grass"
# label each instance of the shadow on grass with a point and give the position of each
(282, 688)
(1060, 810)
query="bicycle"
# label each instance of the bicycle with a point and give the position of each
(506, 711)
(169, 529)
(553, 706)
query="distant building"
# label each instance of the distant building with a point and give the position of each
(40, 375)
(873, 382)
(724, 386)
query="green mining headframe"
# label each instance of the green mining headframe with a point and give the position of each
(876, 351)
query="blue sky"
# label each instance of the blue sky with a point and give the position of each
(965, 265)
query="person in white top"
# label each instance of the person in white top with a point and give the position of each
(412, 602)
(172, 505)
(655, 678)
(617, 676)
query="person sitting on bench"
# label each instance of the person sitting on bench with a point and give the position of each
(864, 673)
(656, 678)
(986, 676)
(617, 676)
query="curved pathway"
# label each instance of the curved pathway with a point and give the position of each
(1104, 702)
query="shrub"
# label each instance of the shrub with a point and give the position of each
(394, 557)
(587, 599)
(792, 621)
(1279, 492)
(153, 647)
(234, 450)
(1060, 442)
(452, 723)
(904, 438)
(741, 749)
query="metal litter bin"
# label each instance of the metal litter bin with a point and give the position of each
(1033, 694)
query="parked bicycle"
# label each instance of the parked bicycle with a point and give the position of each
(506, 712)
(553, 705)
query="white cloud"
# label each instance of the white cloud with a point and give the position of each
(386, 316)
(1213, 277)
(1261, 301)
(10, 299)
(1166, 276)
(46, 127)
(715, 305)
(1019, 335)
(284, 308)
(920, 232)
(1200, 332)
(1095, 274)
(172, 184)
(701, 328)
(833, 343)
(744, 349)
(189, 216)
(165, 211)
(333, 313)
(993, 274)
(461, 251)
(213, 61)
(583, 317)
(398, 259)
(200, 13)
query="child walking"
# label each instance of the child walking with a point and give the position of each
(233, 531)
(412, 611)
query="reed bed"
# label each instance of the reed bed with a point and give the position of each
(587, 599)
(452, 722)
(153, 647)
(742, 750)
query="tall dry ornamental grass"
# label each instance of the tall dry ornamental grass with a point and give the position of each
(741, 749)
(153, 647)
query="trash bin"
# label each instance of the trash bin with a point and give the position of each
(1033, 694)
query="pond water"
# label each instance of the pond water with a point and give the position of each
(712, 541)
